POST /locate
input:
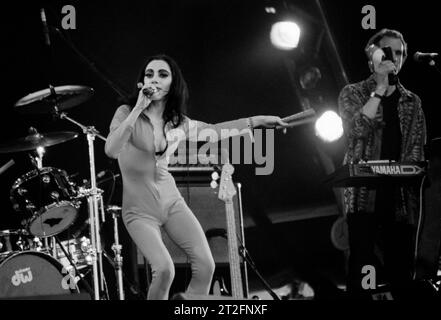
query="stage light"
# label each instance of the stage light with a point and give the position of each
(329, 126)
(285, 35)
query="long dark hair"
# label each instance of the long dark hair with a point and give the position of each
(177, 97)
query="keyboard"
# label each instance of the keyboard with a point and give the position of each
(374, 173)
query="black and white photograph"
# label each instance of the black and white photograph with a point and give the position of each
(221, 154)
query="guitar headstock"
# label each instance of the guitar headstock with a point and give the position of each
(226, 187)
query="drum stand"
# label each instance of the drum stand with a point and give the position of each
(37, 162)
(72, 263)
(116, 247)
(95, 200)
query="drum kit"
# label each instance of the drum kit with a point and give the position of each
(33, 260)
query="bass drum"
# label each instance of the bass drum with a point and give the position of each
(34, 274)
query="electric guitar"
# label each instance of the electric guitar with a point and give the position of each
(226, 193)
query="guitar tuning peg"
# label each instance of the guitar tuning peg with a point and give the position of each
(213, 184)
(215, 176)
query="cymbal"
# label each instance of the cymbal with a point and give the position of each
(33, 141)
(43, 101)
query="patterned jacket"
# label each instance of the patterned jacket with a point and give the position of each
(363, 138)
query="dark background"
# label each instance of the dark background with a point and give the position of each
(233, 71)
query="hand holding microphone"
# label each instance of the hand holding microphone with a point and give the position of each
(144, 95)
(298, 119)
(148, 91)
(392, 76)
(383, 65)
(385, 73)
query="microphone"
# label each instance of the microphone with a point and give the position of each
(300, 118)
(149, 91)
(47, 40)
(388, 55)
(423, 56)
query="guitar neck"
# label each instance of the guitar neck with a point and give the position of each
(233, 253)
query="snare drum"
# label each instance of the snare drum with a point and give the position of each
(47, 199)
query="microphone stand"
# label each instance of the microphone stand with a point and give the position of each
(94, 197)
(91, 65)
(95, 205)
(245, 255)
(244, 252)
(433, 64)
(47, 42)
(242, 236)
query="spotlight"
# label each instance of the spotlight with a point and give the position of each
(329, 126)
(285, 35)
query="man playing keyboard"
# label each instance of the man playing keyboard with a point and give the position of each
(382, 120)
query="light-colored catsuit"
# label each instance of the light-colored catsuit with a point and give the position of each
(151, 198)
